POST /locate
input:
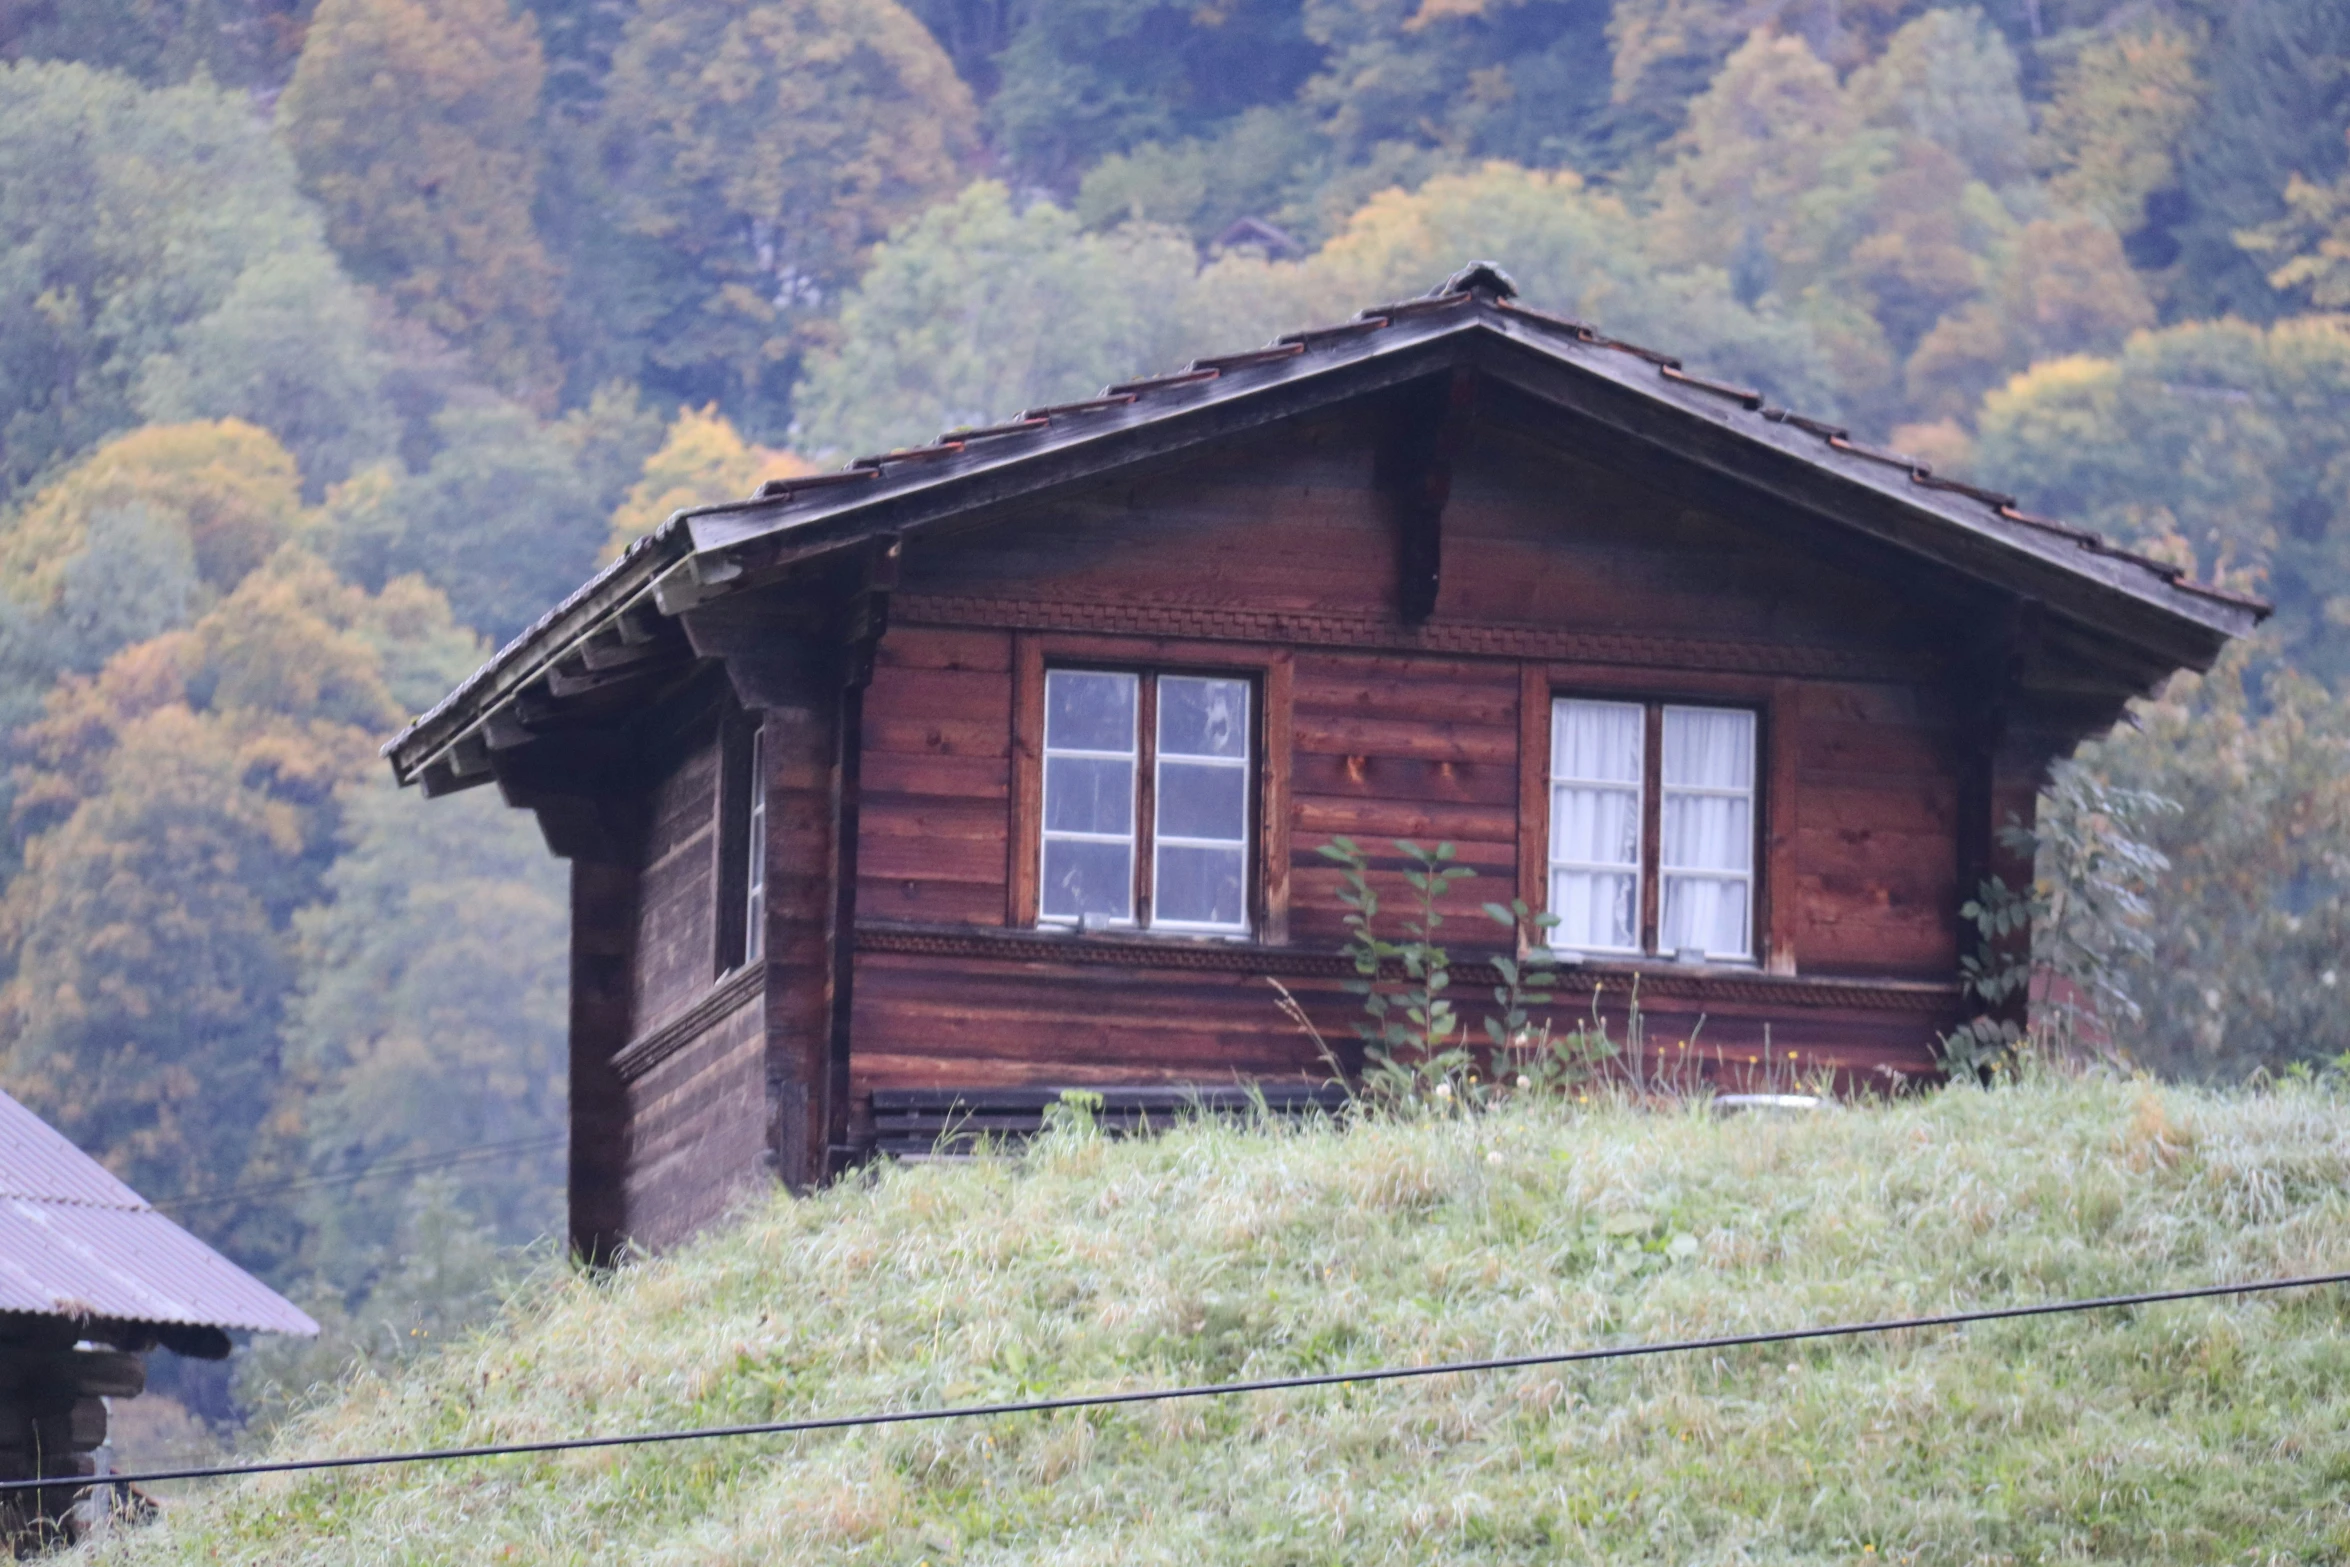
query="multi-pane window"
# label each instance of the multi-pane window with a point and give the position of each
(1146, 788)
(1652, 828)
(741, 870)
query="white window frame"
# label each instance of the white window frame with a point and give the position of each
(1637, 787)
(1047, 835)
(1143, 911)
(1245, 764)
(1649, 873)
(1750, 794)
(755, 852)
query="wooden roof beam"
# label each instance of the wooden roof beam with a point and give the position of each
(1432, 425)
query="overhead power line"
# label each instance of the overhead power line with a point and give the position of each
(1040, 1406)
(412, 1164)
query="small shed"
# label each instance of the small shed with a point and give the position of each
(91, 1277)
(999, 765)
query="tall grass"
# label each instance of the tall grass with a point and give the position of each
(2192, 1433)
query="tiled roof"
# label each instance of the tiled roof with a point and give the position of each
(75, 1242)
(1479, 292)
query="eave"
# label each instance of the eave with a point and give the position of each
(1631, 393)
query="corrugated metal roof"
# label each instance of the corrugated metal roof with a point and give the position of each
(76, 1242)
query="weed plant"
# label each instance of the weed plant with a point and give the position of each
(2205, 1432)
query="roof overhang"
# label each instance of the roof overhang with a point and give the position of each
(1632, 394)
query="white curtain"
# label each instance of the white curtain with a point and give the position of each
(1706, 856)
(1595, 765)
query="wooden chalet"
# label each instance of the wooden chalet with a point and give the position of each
(1000, 764)
(92, 1277)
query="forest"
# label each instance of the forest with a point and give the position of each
(339, 338)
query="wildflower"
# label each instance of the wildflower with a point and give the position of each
(1524, 1081)
(1444, 1090)
(1493, 1156)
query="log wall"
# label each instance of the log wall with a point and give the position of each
(1558, 577)
(52, 1419)
(902, 955)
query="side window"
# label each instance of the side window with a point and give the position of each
(755, 852)
(1652, 828)
(1148, 779)
(742, 845)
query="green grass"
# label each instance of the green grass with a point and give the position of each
(2206, 1432)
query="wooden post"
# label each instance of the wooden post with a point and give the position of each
(52, 1419)
(603, 942)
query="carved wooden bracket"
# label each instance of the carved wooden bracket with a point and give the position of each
(1432, 429)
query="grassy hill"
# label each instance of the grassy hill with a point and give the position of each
(2188, 1433)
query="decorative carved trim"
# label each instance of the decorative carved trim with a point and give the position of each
(647, 1051)
(1658, 981)
(1319, 629)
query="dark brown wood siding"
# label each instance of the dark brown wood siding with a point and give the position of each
(697, 1121)
(938, 748)
(677, 900)
(1558, 575)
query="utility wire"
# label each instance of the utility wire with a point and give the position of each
(1036, 1406)
(413, 1164)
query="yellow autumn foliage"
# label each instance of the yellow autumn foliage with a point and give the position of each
(701, 462)
(229, 485)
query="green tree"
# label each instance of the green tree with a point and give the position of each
(2110, 134)
(2219, 443)
(245, 43)
(428, 1018)
(507, 516)
(1894, 211)
(136, 226)
(181, 806)
(1525, 80)
(2310, 245)
(2278, 101)
(1081, 79)
(293, 348)
(128, 543)
(228, 488)
(2249, 937)
(414, 125)
(1569, 248)
(701, 461)
(1266, 163)
(975, 311)
(762, 150)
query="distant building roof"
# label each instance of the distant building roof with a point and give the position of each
(1278, 244)
(75, 1242)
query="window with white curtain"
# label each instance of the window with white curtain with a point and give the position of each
(1652, 828)
(1147, 780)
(1596, 755)
(1705, 839)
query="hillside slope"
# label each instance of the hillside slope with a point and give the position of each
(2201, 1432)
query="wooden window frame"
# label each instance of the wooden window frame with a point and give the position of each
(1771, 918)
(1270, 672)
